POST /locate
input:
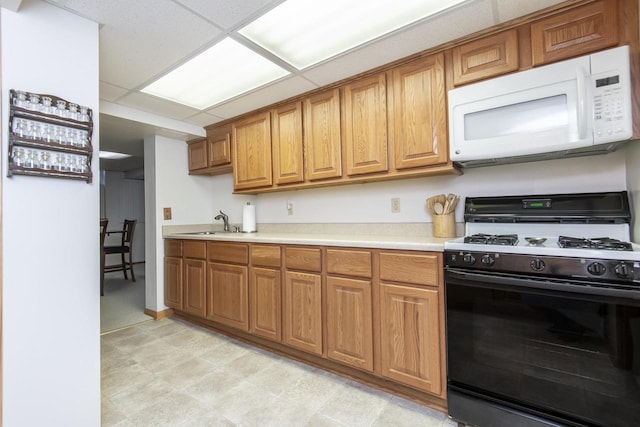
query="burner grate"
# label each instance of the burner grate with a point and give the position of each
(492, 239)
(604, 243)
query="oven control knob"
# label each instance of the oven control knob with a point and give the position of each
(487, 260)
(537, 264)
(622, 270)
(468, 259)
(596, 268)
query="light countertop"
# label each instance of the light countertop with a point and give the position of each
(405, 242)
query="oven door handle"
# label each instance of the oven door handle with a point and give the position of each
(509, 282)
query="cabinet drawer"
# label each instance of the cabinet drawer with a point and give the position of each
(349, 262)
(193, 249)
(265, 255)
(305, 259)
(419, 269)
(173, 248)
(228, 252)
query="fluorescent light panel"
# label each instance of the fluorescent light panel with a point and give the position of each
(305, 32)
(225, 70)
(113, 156)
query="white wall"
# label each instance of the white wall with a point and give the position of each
(633, 183)
(371, 203)
(51, 299)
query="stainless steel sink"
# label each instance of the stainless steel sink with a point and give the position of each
(203, 233)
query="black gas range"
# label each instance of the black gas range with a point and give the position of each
(543, 312)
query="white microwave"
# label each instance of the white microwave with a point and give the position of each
(574, 107)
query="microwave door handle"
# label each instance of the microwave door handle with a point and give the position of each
(581, 90)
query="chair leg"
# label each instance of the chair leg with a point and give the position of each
(124, 267)
(133, 276)
(102, 274)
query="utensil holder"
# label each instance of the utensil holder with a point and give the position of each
(444, 225)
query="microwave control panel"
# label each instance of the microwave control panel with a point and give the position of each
(611, 97)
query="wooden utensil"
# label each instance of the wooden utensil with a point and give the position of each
(438, 208)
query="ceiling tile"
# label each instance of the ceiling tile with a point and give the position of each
(229, 14)
(511, 9)
(152, 104)
(203, 119)
(130, 42)
(110, 92)
(268, 95)
(464, 19)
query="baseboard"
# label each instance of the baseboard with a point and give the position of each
(157, 315)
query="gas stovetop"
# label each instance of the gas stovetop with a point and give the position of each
(554, 236)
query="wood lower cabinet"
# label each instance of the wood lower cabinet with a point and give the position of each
(173, 290)
(412, 319)
(265, 292)
(194, 277)
(410, 336)
(349, 322)
(303, 311)
(228, 284)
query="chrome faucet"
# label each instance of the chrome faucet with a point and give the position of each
(223, 216)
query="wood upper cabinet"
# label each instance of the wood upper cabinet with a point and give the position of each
(173, 291)
(197, 153)
(265, 290)
(576, 32)
(219, 146)
(228, 284)
(488, 57)
(322, 138)
(365, 125)
(251, 152)
(211, 155)
(419, 113)
(286, 142)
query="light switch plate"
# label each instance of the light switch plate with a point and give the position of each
(167, 213)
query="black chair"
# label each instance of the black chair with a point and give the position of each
(103, 234)
(125, 248)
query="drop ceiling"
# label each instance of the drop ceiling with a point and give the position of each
(142, 40)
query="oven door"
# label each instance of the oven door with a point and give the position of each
(531, 351)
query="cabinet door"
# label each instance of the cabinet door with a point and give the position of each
(410, 336)
(488, 57)
(303, 311)
(576, 32)
(266, 294)
(227, 295)
(365, 115)
(322, 140)
(349, 322)
(194, 286)
(197, 151)
(251, 152)
(286, 142)
(173, 282)
(219, 146)
(419, 113)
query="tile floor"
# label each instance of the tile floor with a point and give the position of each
(173, 373)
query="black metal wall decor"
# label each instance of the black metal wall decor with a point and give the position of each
(49, 136)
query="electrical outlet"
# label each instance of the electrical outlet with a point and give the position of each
(395, 205)
(167, 213)
(289, 208)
